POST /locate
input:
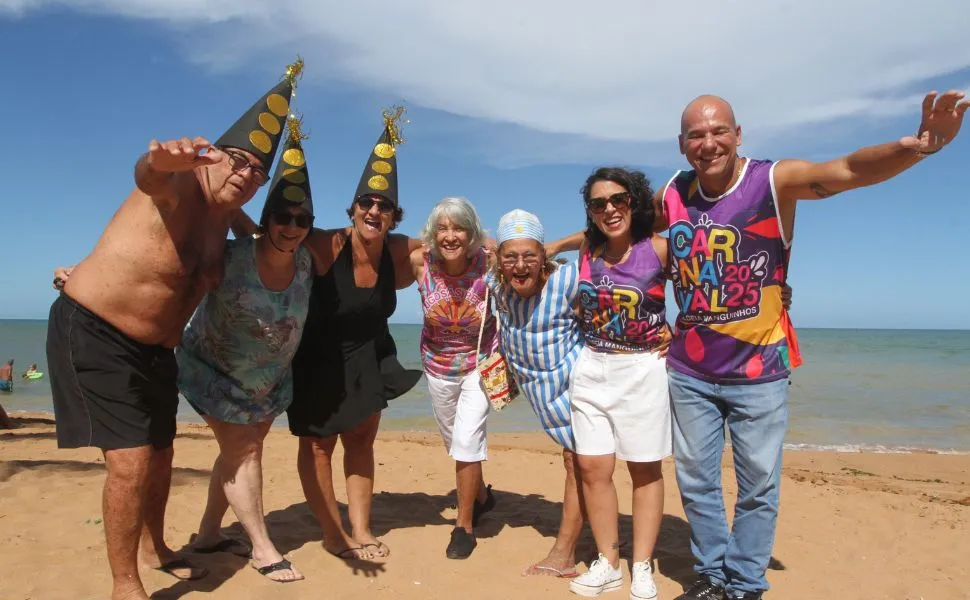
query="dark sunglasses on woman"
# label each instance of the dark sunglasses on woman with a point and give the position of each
(365, 203)
(302, 220)
(619, 200)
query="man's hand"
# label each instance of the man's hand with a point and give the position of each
(786, 296)
(942, 118)
(61, 275)
(180, 155)
(666, 336)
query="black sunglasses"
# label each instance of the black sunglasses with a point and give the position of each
(302, 220)
(239, 163)
(618, 200)
(365, 203)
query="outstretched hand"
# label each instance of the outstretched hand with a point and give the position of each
(180, 155)
(942, 118)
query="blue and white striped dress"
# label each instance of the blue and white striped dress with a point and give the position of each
(541, 341)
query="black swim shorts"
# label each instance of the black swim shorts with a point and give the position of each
(109, 391)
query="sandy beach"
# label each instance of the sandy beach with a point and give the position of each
(852, 525)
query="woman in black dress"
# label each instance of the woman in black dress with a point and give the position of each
(346, 368)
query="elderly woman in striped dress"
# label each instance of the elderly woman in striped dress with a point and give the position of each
(541, 342)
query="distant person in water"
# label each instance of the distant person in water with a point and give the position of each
(30, 371)
(6, 376)
(6, 385)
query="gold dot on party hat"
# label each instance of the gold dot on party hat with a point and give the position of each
(381, 166)
(294, 194)
(384, 150)
(294, 157)
(294, 176)
(269, 123)
(278, 105)
(261, 141)
(377, 182)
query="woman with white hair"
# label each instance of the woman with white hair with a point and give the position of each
(449, 270)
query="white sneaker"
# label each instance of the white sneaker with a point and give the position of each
(601, 577)
(643, 587)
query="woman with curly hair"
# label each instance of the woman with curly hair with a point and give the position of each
(620, 406)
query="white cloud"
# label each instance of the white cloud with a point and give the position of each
(564, 77)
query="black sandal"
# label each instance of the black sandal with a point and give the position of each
(282, 565)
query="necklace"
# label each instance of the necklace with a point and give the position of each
(616, 259)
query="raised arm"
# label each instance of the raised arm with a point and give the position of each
(573, 241)
(155, 170)
(804, 180)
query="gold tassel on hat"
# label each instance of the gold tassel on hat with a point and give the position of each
(392, 120)
(295, 126)
(294, 71)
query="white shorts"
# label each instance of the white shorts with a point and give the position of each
(620, 404)
(460, 408)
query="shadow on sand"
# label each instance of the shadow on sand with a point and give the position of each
(295, 526)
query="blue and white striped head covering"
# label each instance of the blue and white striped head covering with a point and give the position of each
(518, 224)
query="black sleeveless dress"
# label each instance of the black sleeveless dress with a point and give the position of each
(346, 367)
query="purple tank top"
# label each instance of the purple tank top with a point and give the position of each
(622, 306)
(729, 261)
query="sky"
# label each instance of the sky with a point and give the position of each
(512, 105)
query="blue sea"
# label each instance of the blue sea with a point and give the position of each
(881, 390)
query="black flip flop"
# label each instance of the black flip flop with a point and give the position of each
(226, 546)
(282, 565)
(347, 554)
(181, 563)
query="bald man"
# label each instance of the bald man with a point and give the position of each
(731, 221)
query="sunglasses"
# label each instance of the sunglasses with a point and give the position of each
(620, 200)
(302, 220)
(366, 203)
(239, 163)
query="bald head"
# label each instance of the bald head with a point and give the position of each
(707, 108)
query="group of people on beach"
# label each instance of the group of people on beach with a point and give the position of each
(289, 317)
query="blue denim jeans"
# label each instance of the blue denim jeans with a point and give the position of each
(757, 416)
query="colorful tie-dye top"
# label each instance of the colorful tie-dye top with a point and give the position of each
(234, 358)
(453, 310)
(728, 259)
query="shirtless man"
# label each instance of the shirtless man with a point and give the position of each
(112, 331)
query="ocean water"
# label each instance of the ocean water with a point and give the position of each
(883, 390)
